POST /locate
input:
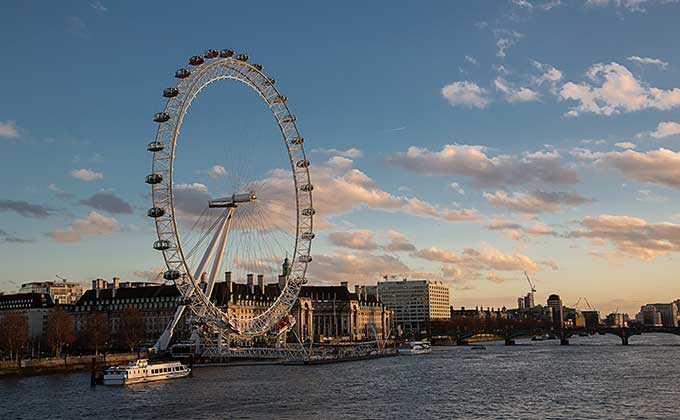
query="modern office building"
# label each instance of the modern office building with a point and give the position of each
(62, 293)
(35, 307)
(415, 303)
(555, 305)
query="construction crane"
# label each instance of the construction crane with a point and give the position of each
(585, 300)
(533, 287)
(61, 278)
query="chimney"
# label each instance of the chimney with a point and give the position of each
(260, 282)
(227, 279)
(94, 284)
(116, 282)
(282, 281)
(357, 290)
(344, 284)
(251, 285)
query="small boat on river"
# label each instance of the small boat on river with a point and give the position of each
(411, 348)
(142, 371)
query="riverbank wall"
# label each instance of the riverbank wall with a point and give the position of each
(30, 367)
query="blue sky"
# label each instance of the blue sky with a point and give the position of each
(557, 122)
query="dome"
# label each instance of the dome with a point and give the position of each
(554, 297)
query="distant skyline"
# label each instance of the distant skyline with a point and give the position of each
(465, 142)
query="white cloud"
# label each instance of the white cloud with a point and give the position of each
(471, 60)
(456, 187)
(474, 163)
(351, 153)
(647, 60)
(86, 174)
(614, 90)
(217, 171)
(360, 268)
(398, 243)
(665, 129)
(361, 239)
(513, 94)
(9, 129)
(98, 6)
(626, 145)
(466, 93)
(486, 258)
(504, 40)
(94, 224)
(549, 76)
(629, 5)
(660, 166)
(536, 201)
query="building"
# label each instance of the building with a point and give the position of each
(573, 318)
(557, 311)
(616, 320)
(526, 302)
(659, 314)
(62, 293)
(36, 307)
(322, 313)
(415, 303)
(152, 306)
(592, 318)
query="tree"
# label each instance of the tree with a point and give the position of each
(61, 330)
(132, 328)
(13, 334)
(96, 332)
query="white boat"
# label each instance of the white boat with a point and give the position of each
(414, 347)
(141, 371)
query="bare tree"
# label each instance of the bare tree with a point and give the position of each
(132, 328)
(97, 331)
(60, 330)
(13, 334)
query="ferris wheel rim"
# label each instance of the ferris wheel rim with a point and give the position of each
(168, 134)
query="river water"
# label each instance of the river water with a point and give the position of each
(594, 378)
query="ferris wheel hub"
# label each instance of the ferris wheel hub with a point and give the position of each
(233, 201)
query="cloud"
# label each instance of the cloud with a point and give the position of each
(536, 201)
(516, 231)
(631, 235)
(360, 268)
(466, 93)
(217, 171)
(646, 60)
(9, 129)
(471, 60)
(614, 90)
(25, 208)
(10, 238)
(629, 5)
(94, 224)
(86, 174)
(398, 243)
(549, 76)
(513, 94)
(626, 145)
(665, 129)
(504, 40)
(547, 5)
(361, 239)
(107, 201)
(152, 275)
(457, 188)
(486, 258)
(660, 166)
(98, 6)
(474, 163)
(61, 194)
(540, 229)
(351, 153)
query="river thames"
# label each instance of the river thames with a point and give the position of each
(594, 378)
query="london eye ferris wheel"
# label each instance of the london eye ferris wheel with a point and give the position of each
(238, 229)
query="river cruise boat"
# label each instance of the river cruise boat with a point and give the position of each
(414, 347)
(141, 371)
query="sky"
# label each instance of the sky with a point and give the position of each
(465, 142)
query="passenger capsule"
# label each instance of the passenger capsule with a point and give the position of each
(154, 179)
(302, 163)
(258, 67)
(308, 236)
(305, 258)
(196, 60)
(161, 117)
(269, 81)
(161, 245)
(226, 53)
(155, 146)
(297, 140)
(307, 187)
(242, 57)
(155, 212)
(280, 99)
(182, 73)
(170, 92)
(211, 53)
(308, 212)
(288, 119)
(172, 275)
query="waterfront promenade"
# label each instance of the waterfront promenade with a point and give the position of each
(595, 378)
